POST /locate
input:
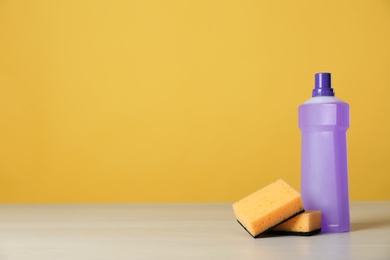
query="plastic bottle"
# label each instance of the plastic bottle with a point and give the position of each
(324, 121)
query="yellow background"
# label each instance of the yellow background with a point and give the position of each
(173, 101)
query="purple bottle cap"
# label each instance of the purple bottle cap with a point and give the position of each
(323, 85)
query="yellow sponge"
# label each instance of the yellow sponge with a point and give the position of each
(305, 224)
(268, 207)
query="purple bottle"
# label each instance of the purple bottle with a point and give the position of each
(324, 121)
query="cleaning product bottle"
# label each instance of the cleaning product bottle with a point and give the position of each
(324, 121)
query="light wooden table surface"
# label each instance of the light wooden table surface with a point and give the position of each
(176, 231)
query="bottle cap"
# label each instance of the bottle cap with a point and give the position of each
(323, 85)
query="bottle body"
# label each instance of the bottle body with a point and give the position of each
(324, 122)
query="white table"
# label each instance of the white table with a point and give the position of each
(176, 231)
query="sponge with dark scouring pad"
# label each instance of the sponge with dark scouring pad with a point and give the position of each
(268, 207)
(305, 224)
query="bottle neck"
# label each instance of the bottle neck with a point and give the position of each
(323, 99)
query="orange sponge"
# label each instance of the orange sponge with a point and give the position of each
(305, 224)
(268, 207)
